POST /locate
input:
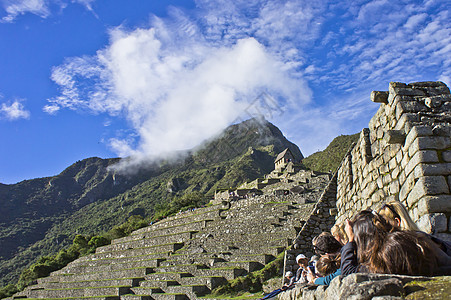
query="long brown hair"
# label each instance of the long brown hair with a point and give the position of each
(328, 264)
(406, 253)
(369, 230)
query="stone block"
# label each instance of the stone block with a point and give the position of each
(403, 107)
(425, 84)
(435, 204)
(394, 187)
(420, 157)
(394, 136)
(428, 185)
(432, 170)
(433, 223)
(444, 236)
(437, 91)
(432, 142)
(446, 156)
(402, 177)
(415, 131)
(404, 161)
(442, 129)
(379, 96)
(399, 156)
(399, 88)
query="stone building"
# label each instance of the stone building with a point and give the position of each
(283, 159)
(404, 155)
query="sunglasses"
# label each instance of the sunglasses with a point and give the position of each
(392, 209)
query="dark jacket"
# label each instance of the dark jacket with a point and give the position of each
(349, 263)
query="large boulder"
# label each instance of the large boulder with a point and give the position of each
(374, 286)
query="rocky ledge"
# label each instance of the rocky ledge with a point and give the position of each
(374, 286)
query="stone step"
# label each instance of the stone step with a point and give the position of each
(192, 226)
(160, 249)
(188, 217)
(124, 256)
(117, 274)
(175, 276)
(227, 273)
(124, 260)
(81, 292)
(249, 266)
(91, 283)
(160, 283)
(227, 252)
(167, 296)
(215, 245)
(210, 258)
(211, 282)
(150, 241)
(151, 263)
(164, 247)
(173, 237)
(148, 290)
(197, 290)
(181, 268)
(189, 214)
(135, 297)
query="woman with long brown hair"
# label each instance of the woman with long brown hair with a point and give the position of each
(383, 248)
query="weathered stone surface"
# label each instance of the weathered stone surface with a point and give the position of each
(427, 185)
(379, 96)
(435, 204)
(433, 223)
(364, 287)
(446, 155)
(432, 170)
(395, 136)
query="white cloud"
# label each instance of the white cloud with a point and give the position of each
(41, 8)
(189, 75)
(14, 111)
(15, 8)
(173, 95)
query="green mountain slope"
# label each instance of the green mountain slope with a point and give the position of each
(43, 215)
(330, 158)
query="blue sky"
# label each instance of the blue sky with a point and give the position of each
(139, 78)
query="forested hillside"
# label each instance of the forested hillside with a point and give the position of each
(330, 158)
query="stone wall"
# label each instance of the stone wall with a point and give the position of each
(404, 155)
(321, 219)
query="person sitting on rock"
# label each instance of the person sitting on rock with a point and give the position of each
(375, 246)
(301, 273)
(327, 267)
(396, 214)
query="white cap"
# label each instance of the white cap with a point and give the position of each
(289, 274)
(300, 256)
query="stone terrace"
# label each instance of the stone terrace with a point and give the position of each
(184, 256)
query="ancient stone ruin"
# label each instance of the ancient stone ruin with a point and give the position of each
(405, 154)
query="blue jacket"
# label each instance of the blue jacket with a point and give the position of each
(327, 279)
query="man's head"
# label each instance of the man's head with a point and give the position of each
(325, 243)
